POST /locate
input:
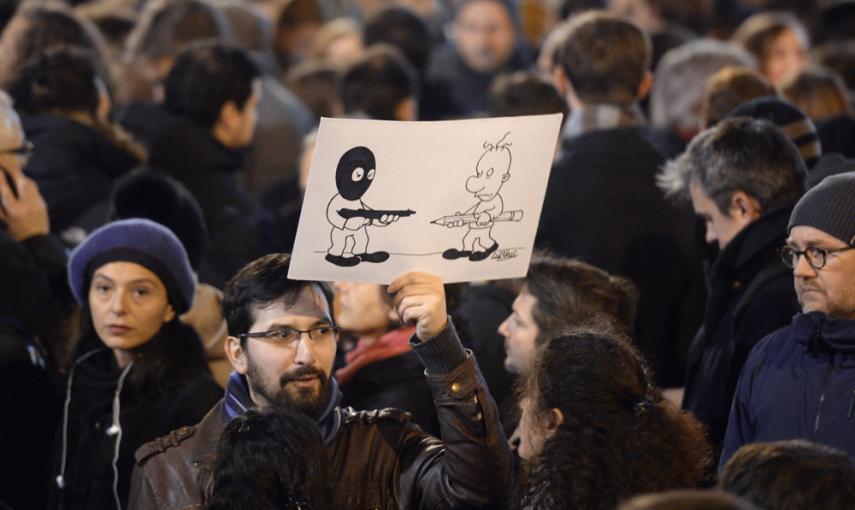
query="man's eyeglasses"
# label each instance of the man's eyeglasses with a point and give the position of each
(25, 151)
(290, 337)
(816, 257)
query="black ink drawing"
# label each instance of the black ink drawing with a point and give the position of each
(348, 214)
(491, 172)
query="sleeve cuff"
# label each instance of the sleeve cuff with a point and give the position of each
(442, 353)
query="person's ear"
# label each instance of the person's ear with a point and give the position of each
(230, 116)
(745, 206)
(645, 85)
(554, 419)
(236, 354)
(169, 313)
(559, 79)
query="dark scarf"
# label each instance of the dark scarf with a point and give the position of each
(238, 401)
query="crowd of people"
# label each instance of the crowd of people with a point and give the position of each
(684, 336)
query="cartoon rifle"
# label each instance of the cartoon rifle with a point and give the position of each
(472, 218)
(371, 214)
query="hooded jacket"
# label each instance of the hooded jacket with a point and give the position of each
(798, 382)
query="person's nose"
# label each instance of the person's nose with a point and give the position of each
(119, 305)
(503, 328)
(803, 268)
(305, 354)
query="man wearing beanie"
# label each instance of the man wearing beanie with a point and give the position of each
(799, 382)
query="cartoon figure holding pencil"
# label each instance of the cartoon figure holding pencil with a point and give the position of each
(491, 172)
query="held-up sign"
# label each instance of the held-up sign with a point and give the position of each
(458, 199)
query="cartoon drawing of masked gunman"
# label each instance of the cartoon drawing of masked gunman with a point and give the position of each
(348, 214)
(491, 172)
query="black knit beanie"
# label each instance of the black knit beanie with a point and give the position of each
(830, 207)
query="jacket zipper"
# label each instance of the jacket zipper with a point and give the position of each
(828, 374)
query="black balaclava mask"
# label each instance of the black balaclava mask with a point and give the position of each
(354, 172)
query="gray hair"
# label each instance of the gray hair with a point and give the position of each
(681, 77)
(739, 154)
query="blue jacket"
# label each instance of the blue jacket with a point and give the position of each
(798, 382)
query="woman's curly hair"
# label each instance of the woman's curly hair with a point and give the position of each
(618, 438)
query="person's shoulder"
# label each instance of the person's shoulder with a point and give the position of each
(167, 445)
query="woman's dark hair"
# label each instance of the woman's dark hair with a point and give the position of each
(61, 80)
(618, 438)
(271, 460)
(173, 356)
(37, 28)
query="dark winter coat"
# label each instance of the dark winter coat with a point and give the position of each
(602, 206)
(34, 300)
(750, 294)
(189, 153)
(92, 447)
(798, 382)
(75, 167)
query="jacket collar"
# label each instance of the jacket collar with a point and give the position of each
(818, 333)
(765, 234)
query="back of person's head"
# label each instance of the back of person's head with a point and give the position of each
(819, 93)
(687, 500)
(39, 27)
(792, 121)
(378, 84)
(605, 58)
(739, 154)
(402, 28)
(680, 78)
(261, 283)
(617, 437)
(524, 93)
(316, 84)
(144, 193)
(59, 81)
(166, 26)
(271, 460)
(791, 475)
(205, 77)
(571, 293)
(729, 88)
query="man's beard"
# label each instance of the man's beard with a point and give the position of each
(302, 399)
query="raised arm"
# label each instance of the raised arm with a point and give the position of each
(471, 464)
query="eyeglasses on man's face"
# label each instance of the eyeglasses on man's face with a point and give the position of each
(290, 337)
(24, 152)
(816, 257)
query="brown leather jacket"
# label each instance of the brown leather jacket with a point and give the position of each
(378, 459)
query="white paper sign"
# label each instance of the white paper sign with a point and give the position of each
(458, 199)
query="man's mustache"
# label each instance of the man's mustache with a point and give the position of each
(300, 373)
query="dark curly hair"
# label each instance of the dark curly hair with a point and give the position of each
(618, 438)
(271, 460)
